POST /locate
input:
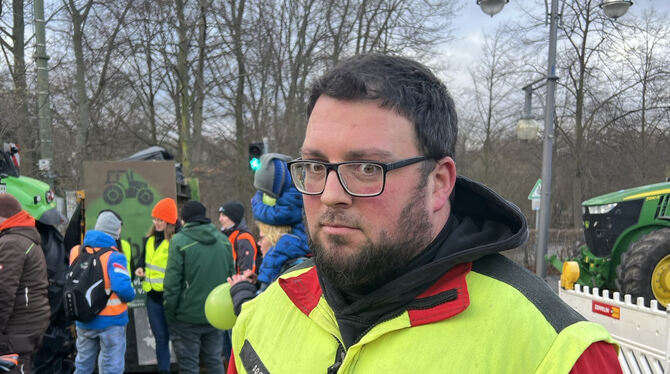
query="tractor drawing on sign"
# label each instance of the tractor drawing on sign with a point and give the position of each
(115, 191)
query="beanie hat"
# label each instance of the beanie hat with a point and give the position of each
(110, 223)
(9, 206)
(166, 210)
(273, 176)
(233, 210)
(194, 211)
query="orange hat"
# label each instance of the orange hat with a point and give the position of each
(166, 210)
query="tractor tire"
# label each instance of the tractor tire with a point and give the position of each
(643, 268)
(112, 194)
(145, 197)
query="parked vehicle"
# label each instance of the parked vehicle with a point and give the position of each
(627, 248)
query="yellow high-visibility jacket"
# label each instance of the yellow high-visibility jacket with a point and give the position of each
(489, 316)
(155, 264)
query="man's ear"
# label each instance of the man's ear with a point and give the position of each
(444, 179)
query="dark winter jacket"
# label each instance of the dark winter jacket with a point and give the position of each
(246, 252)
(200, 258)
(24, 304)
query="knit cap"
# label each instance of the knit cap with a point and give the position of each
(166, 210)
(194, 211)
(9, 206)
(110, 223)
(233, 210)
(273, 177)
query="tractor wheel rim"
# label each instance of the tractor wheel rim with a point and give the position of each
(660, 281)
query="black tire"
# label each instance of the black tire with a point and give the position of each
(145, 197)
(638, 263)
(113, 194)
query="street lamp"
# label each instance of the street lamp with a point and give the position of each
(613, 9)
(492, 7)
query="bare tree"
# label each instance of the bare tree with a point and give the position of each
(493, 104)
(13, 43)
(88, 94)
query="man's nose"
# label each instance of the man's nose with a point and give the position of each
(333, 192)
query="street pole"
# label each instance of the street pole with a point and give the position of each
(44, 111)
(542, 235)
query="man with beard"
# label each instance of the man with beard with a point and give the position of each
(406, 274)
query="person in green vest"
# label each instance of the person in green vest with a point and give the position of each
(406, 275)
(152, 268)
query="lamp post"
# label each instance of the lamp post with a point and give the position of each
(612, 9)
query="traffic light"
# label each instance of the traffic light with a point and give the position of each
(255, 152)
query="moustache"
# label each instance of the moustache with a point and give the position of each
(337, 218)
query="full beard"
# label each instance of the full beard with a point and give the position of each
(374, 264)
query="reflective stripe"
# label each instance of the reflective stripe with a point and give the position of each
(155, 280)
(113, 301)
(154, 267)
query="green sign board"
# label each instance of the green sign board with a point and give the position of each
(131, 189)
(536, 192)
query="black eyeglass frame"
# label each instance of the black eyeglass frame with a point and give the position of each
(386, 167)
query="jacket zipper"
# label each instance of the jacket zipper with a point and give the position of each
(339, 358)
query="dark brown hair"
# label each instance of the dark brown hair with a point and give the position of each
(169, 231)
(9, 206)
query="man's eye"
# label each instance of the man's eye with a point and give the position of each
(315, 168)
(368, 169)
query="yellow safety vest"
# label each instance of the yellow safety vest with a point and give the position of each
(490, 327)
(155, 263)
(128, 252)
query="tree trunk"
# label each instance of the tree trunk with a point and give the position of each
(26, 128)
(199, 88)
(83, 102)
(182, 91)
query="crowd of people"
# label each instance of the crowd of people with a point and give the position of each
(372, 255)
(184, 258)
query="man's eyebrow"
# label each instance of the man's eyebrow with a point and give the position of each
(367, 154)
(363, 154)
(312, 153)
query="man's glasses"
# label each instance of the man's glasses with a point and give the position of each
(358, 178)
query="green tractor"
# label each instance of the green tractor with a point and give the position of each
(36, 197)
(627, 248)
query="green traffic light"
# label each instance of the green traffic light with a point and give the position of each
(255, 163)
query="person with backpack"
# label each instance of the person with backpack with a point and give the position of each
(24, 304)
(154, 260)
(200, 259)
(104, 333)
(246, 253)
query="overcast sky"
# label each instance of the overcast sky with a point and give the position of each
(472, 23)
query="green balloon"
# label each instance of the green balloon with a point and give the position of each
(219, 308)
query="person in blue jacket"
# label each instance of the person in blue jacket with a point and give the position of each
(106, 333)
(277, 203)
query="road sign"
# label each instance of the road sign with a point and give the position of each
(536, 192)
